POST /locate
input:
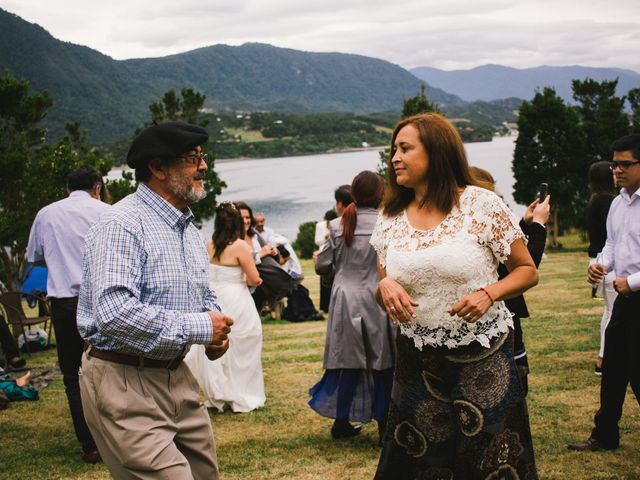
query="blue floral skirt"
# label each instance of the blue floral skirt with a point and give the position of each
(457, 414)
(353, 394)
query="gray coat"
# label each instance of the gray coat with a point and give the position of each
(359, 334)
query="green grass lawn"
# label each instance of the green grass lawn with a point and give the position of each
(287, 440)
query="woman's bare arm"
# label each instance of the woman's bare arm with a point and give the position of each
(522, 276)
(244, 254)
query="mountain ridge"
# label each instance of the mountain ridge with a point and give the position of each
(110, 98)
(492, 81)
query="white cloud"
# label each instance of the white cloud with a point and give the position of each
(452, 35)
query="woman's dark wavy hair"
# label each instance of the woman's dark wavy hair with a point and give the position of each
(367, 190)
(252, 227)
(227, 228)
(601, 178)
(448, 169)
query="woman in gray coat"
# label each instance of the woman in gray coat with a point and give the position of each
(359, 349)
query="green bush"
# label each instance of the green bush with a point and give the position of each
(305, 242)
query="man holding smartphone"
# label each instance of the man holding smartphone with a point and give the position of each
(621, 253)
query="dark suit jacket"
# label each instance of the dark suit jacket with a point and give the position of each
(537, 236)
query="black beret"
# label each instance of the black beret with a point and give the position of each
(165, 140)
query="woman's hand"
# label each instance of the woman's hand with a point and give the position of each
(471, 307)
(541, 211)
(538, 211)
(396, 301)
(268, 250)
(528, 214)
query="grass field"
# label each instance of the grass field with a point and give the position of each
(287, 440)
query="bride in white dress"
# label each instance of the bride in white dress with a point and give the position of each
(235, 379)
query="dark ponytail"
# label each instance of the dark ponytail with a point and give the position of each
(367, 189)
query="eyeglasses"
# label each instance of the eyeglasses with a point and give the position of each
(623, 165)
(195, 159)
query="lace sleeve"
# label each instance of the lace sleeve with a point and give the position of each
(379, 239)
(500, 226)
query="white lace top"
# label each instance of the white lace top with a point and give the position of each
(438, 267)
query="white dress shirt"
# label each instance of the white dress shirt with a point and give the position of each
(267, 235)
(621, 252)
(322, 233)
(57, 239)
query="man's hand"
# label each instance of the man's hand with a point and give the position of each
(596, 273)
(621, 285)
(214, 352)
(221, 328)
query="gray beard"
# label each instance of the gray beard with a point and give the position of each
(182, 189)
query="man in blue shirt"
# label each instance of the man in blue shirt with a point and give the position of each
(57, 240)
(144, 301)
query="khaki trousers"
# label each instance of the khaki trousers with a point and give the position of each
(148, 423)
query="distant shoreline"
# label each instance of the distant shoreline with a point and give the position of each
(306, 154)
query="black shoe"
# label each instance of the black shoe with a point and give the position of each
(591, 445)
(598, 371)
(17, 362)
(92, 456)
(342, 431)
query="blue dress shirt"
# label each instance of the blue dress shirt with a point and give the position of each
(145, 287)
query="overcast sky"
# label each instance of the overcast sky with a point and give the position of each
(448, 34)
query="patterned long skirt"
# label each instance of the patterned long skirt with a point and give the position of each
(457, 414)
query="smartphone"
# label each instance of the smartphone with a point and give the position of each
(542, 191)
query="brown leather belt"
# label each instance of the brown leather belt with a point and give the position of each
(65, 301)
(133, 360)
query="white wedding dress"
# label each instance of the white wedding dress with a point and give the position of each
(235, 379)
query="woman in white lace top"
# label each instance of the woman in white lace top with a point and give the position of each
(457, 407)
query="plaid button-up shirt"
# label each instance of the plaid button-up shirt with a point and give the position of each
(145, 286)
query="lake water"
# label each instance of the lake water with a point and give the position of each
(293, 190)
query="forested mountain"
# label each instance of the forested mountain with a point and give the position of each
(491, 82)
(110, 98)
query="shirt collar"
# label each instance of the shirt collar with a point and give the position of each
(80, 193)
(166, 211)
(624, 193)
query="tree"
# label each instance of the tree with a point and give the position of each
(32, 174)
(418, 104)
(549, 149)
(633, 97)
(305, 243)
(20, 138)
(410, 106)
(602, 116)
(172, 107)
(185, 108)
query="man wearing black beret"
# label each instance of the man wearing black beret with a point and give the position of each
(144, 301)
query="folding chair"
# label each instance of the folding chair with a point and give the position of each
(17, 318)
